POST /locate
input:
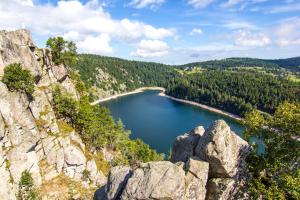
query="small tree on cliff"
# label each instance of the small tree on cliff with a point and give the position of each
(63, 52)
(18, 79)
(275, 174)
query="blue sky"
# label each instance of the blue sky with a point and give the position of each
(168, 31)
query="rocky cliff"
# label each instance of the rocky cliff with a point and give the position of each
(31, 137)
(205, 164)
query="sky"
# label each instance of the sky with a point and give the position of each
(167, 31)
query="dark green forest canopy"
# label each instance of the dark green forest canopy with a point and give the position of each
(292, 64)
(236, 92)
(133, 74)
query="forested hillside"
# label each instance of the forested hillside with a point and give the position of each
(118, 75)
(235, 85)
(292, 64)
(236, 92)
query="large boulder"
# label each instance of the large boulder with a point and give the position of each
(156, 180)
(223, 149)
(196, 178)
(184, 145)
(220, 188)
(117, 180)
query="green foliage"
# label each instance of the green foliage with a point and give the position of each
(133, 74)
(235, 92)
(65, 106)
(289, 63)
(27, 190)
(98, 129)
(18, 79)
(86, 175)
(275, 174)
(62, 51)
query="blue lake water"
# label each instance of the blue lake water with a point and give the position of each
(158, 120)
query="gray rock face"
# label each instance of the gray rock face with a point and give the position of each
(223, 149)
(30, 137)
(117, 180)
(17, 47)
(196, 178)
(155, 180)
(184, 145)
(220, 188)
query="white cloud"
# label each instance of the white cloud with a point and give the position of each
(97, 45)
(288, 32)
(240, 25)
(25, 2)
(71, 35)
(286, 8)
(230, 3)
(76, 21)
(200, 3)
(151, 48)
(196, 31)
(246, 38)
(244, 3)
(146, 3)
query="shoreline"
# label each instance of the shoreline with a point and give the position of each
(205, 107)
(162, 93)
(139, 90)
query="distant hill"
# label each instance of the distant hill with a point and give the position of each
(114, 75)
(292, 64)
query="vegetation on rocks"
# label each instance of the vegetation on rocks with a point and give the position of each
(98, 129)
(27, 190)
(62, 51)
(18, 79)
(275, 174)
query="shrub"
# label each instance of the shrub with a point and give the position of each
(18, 79)
(27, 190)
(86, 175)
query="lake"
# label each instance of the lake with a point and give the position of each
(157, 120)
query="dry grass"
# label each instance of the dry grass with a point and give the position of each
(64, 188)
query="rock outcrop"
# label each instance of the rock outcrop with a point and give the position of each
(30, 135)
(184, 145)
(206, 165)
(222, 149)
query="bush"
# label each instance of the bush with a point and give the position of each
(63, 52)
(27, 190)
(18, 79)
